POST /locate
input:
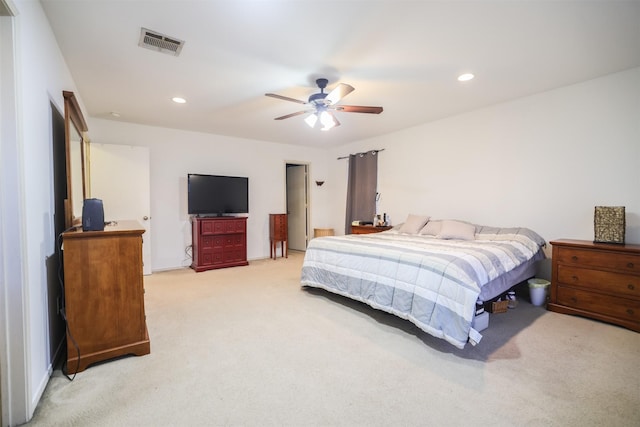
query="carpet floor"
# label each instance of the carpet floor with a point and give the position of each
(247, 346)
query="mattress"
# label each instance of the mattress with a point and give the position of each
(431, 282)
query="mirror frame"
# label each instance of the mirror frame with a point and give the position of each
(73, 117)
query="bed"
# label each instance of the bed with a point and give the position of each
(431, 275)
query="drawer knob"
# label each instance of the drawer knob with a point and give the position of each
(575, 278)
(630, 286)
(574, 258)
(630, 312)
(574, 299)
(630, 265)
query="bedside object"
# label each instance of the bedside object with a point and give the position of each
(596, 280)
(368, 229)
(609, 224)
(278, 232)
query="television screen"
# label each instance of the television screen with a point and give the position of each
(217, 195)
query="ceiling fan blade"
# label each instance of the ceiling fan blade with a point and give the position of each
(339, 92)
(293, 114)
(285, 98)
(358, 109)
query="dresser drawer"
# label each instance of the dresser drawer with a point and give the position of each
(621, 308)
(237, 226)
(211, 257)
(625, 285)
(590, 258)
(233, 240)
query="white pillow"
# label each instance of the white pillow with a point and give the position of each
(457, 230)
(413, 224)
(431, 228)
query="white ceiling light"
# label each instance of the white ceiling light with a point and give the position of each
(465, 77)
(311, 120)
(327, 120)
(178, 100)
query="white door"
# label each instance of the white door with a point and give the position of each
(119, 176)
(297, 206)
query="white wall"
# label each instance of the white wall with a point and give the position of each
(541, 162)
(175, 153)
(42, 75)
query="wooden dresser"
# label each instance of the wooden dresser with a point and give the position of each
(596, 280)
(218, 242)
(367, 229)
(278, 232)
(104, 294)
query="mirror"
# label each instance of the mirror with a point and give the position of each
(76, 148)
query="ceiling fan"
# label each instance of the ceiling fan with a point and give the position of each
(322, 105)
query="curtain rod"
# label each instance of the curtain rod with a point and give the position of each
(364, 152)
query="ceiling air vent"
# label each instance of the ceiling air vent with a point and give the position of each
(160, 42)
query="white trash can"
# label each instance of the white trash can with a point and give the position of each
(538, 291)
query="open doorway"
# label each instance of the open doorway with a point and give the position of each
(297, 194)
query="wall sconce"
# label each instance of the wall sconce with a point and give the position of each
(319, 183)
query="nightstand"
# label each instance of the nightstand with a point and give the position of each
(368, 229)
(596, 280)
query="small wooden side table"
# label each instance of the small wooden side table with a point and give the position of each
(321, 232)
(368, 229)
(278, 232)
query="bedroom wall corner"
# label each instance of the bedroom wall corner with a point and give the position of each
(175, 153)
(543, 161)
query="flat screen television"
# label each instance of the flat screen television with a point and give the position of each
(217, 195)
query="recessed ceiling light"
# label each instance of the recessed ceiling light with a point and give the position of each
(465, 77)
(179, 100)
(115, 114)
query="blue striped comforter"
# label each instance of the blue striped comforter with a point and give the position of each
(431, 282)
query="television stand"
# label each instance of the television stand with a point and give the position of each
(218, 242)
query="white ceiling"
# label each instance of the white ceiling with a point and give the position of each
(401, 55)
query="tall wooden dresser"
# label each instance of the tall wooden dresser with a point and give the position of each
(278, 232)
(219, 242)
(596, 280)
(104, 294)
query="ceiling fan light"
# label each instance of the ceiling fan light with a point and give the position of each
(311, 120)
(327, 120)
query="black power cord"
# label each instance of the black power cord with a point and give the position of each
(63, 312)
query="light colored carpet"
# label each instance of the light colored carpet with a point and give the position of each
(247, 346)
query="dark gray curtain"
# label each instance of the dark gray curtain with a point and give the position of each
(361, 188)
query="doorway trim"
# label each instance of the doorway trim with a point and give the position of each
(307, 205)
(14, 385)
